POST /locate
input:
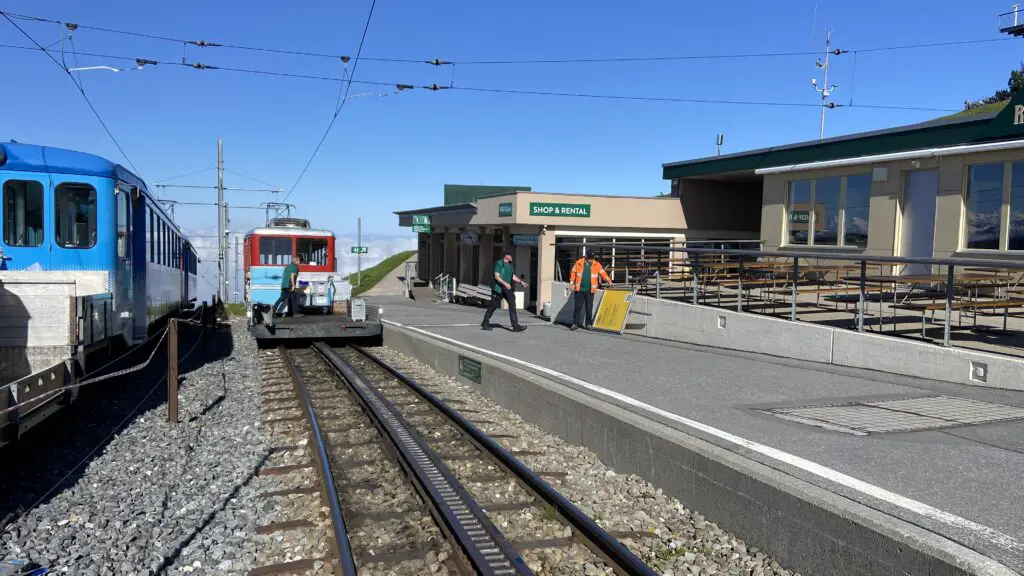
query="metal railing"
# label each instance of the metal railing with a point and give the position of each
(953, 277)
(444, 286)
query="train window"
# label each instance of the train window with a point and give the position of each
(152, 232)
(75, 215)
(312, 250)
(275, 251)
(23, 213)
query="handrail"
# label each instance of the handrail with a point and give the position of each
(816, 255)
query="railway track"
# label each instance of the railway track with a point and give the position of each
(411, 486)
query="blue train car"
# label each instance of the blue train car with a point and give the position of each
(72, 213)
(89, 260)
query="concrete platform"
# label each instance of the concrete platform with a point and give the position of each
(317, 327)
(940, 500)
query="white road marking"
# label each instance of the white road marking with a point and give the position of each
(990, 534)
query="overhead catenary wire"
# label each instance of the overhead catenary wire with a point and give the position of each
(339, 107)
(435, 87)
(512, 61)
(81, 90)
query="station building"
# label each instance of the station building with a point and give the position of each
(468, 233)
(947, 188)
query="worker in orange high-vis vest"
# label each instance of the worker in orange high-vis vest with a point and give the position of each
(583, 281)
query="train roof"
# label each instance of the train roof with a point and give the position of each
(288, 231)
(37, 158)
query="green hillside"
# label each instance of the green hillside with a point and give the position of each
(374, 274)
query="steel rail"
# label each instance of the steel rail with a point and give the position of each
(600, 541)
(342, 548)
(481, 544)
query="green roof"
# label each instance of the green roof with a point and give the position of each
(992, 123)
(465, 194)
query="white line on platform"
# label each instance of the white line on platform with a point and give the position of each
(467, 325)
(990, 534)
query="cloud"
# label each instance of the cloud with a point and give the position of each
(380, 247)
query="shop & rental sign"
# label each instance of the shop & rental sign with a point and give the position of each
(561, 210)
(504, 209)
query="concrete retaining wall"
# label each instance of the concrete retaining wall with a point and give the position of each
(804, 527)
(720, 328)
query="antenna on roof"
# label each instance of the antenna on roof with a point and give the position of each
(718, 143)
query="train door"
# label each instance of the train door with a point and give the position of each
(137, 255)
(124, 294)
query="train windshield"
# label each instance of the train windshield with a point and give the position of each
(23, 213)
(313, 251)
(275, 251)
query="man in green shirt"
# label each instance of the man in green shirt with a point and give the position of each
(289, 282)
(504, 276)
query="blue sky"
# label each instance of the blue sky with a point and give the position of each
(396, 152)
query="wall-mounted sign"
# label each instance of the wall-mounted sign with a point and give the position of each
(563, 210)
(504, 210)
(800, 216)
(470, 238)
(470, 369)
(421, 229)
(421, 219)
(524, 239)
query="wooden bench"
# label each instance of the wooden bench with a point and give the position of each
(473, 293)
(960, 306)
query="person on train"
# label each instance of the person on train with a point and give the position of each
(289, 283)
(584, 278)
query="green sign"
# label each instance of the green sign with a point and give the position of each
(566, 210)
(470, 369)
(800, 216)
(421, 229)
(360, 249)
(421, 219)
(504, 209)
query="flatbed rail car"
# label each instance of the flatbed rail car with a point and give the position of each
(89, 261)
(324, 297)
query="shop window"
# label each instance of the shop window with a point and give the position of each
(23, 213)
(835, 208)
(984, 207)
(799, 211)
(1016, 239)
(275, 251)
(857, 210)
(313, 251)
(75, 216)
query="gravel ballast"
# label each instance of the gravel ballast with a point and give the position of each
(660, 530)
(164, 498)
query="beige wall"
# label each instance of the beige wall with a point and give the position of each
(605, 212)
(886, 198)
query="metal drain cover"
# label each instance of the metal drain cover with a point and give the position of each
(906, 415)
